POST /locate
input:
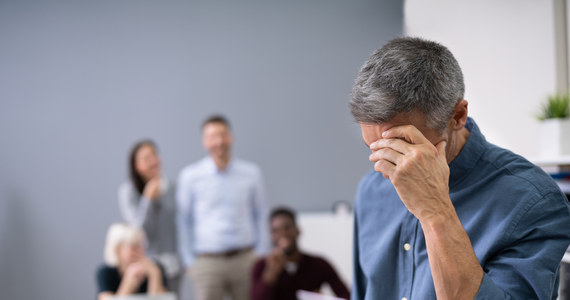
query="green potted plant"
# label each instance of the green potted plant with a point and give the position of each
(555, 126)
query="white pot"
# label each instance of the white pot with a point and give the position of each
(554, 137)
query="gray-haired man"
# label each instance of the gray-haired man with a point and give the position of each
(444, 214)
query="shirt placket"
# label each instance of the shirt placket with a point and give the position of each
(406, 255)
(223, 187)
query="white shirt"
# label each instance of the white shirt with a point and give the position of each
(220, 211)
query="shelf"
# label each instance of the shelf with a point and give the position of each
(551, 161)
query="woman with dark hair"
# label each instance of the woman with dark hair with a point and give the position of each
(147, 201)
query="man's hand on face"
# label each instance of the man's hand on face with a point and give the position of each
(276, 260)
(274, 264)
(418, 169)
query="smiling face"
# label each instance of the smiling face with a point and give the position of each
(130, 252)
(284, 233)
(217, 140)
(147, 162)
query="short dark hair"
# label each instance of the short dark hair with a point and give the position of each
(218, 118)
(283, 211)
(136, 178)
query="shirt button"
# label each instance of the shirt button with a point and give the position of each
(404, 298)
(407, 247)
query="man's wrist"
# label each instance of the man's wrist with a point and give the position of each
(440, 220)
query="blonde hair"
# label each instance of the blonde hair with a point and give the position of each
(118, 234)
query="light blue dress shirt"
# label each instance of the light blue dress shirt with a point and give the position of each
(515, 215)
(221, 211)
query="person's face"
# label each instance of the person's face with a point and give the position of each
(147, 162)
(129, 253)
(217, 139)
(284, 233)
(372, 132)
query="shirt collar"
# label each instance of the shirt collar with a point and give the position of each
(469, 155)
(213, 168)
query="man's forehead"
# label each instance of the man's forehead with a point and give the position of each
(381, 127)
(215, 126)
(415, 118)
(281, 219)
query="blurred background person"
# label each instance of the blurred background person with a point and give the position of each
(286, 269)
(127, 270)
(147, 201)
(223, 215)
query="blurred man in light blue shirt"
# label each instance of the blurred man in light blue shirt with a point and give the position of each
(222, 217)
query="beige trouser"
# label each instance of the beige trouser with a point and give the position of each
(215, 276)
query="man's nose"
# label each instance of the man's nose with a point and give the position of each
(218, 140)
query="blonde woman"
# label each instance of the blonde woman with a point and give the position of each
(127, 270)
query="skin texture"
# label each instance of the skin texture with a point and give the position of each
(217, 139)
(415, 158)
(284, 235)
(148, 165)
(135, 267)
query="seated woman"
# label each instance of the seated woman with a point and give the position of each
(127, 270)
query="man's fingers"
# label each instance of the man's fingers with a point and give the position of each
(407, 132)
(385, 167)
(388, 154)
(396, 144)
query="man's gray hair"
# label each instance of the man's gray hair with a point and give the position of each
(404, 75)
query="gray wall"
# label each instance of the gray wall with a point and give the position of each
(80, 81)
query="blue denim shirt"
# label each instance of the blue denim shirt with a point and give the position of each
(517, 218)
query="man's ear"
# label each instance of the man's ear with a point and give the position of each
(459, 117)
